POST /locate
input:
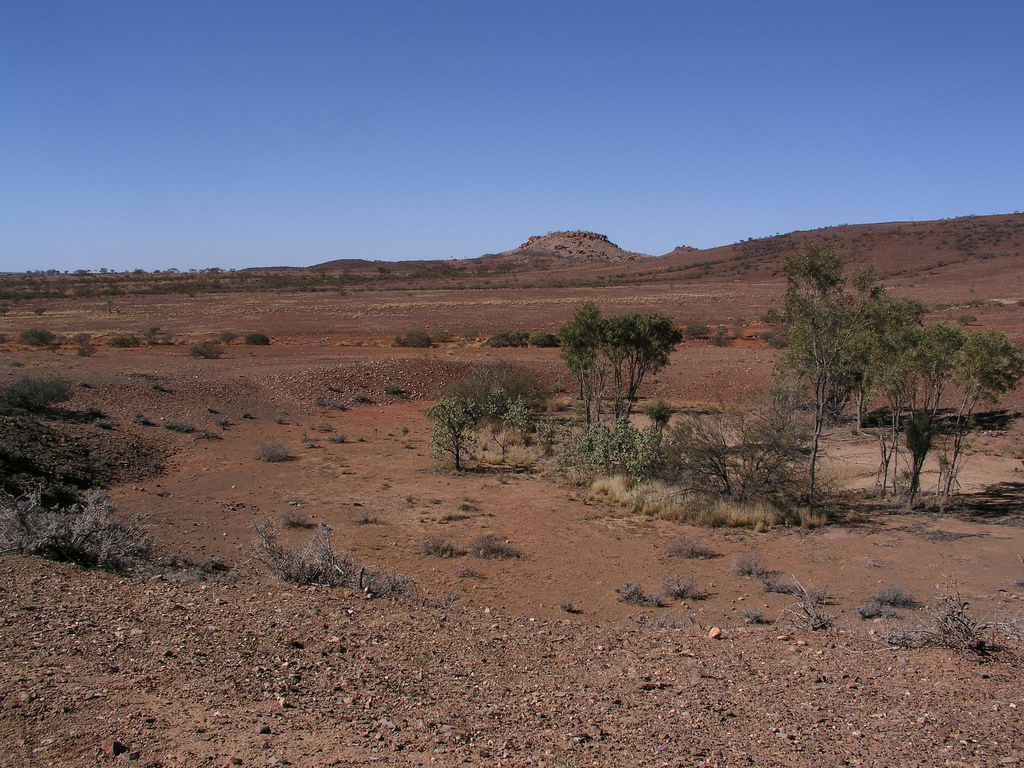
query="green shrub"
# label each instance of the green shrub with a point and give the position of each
(508, 339)
(81, 338)
(413, 339)
(600, 451)
(35, 393)
(696, 331)
(123, 340)
(543, 339)
(37, 337)
(256, 339)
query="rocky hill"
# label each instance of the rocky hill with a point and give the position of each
(585, 247)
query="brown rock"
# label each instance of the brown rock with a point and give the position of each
(715, 633)
(112, 747)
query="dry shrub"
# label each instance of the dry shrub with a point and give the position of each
(272, 452)
(34, 393)
(674, 588)
(691, 549)
(87, 535)
(207, 350)
(750, 565)
(491, 547)
(809, 610)
(317, 562)
(633, 593)
(435, 546)
(182, 427)
(296, 518)
(666, 502)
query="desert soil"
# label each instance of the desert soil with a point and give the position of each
(484, 666)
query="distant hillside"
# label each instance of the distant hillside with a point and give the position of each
(584, 247)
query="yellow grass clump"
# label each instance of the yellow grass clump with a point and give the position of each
(665, 502)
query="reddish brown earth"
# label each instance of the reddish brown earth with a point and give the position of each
(186, 673)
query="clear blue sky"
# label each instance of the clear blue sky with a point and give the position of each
(151, 134)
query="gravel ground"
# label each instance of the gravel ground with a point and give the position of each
(167, 673)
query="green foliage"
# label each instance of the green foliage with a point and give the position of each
(696, 331)
(256, 339)
(513, 380)
(454, 431)
(625, 347)
(413, 338)
(36, 337)
(123, 340)
(35, 393)
(508, 339)
(659, 413)
(543, 339)
(601, 451)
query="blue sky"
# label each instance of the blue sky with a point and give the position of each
(144, 134)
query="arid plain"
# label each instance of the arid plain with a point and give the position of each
(486, 665)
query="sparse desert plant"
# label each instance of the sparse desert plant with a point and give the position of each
(272, 453)
(87, 535)
(435, 546)
(208, 350)
(35, 393)
(674, 588)
(414, 338)
(86, 350)
(366, 517)
(659, 412)
(104, 423)
(394, 389)
(317, 562)
(142, 421)
(692, 549)
(37, 337)
(492, 547)
(750, 565)
(443, 336)
(81, 338)
(895, 597)
(567, 606)
(872, 609)
(775, 340)
(338, 438)
(223, 422)
(182, 427)
(754, 616)
(205, 434)
(324, 402)
(227, 336)
(256, 339)
(633, 593)
(123, 340)
(296, 518)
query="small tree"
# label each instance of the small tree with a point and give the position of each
(454, 431)
(637, 345)
(987, 366)
(581, 338)
(826, 314)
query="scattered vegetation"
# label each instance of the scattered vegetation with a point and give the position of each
(674, 588)
(508, 339)
(317, 562)
(182, 427)
(256, 339)
(87, 534)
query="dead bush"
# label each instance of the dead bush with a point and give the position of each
(87, 535)
(208, 350)
(435, 546)
(296, 518)
(317, 562)
(809, 610)
(691, 549)
(272, 453)
(754, 616)
(491, 547)
(894, 597)
(182, 427)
